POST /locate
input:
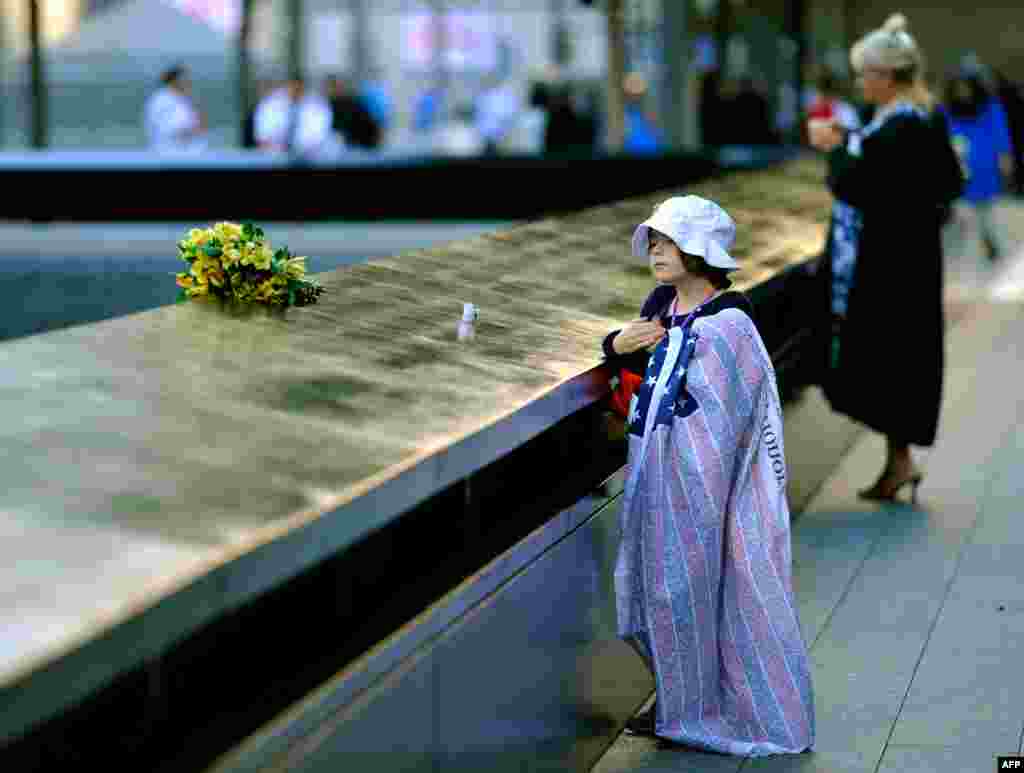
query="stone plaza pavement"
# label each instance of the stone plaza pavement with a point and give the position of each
(915, 615)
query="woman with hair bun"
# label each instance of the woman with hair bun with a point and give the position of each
(892, 181)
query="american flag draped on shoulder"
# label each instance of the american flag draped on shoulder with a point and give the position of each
(703, 573)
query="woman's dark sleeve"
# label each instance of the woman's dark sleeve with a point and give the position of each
(635, 362)
(852, 177)
(948, 172)
(846, 173)
(905, 163)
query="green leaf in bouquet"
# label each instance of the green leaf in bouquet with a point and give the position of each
(251, 232)
(182, 296)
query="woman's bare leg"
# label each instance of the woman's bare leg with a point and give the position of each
(899, 471)
(899, 463)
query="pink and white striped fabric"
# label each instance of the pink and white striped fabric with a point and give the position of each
(703, 577)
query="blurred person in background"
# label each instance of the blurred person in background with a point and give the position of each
(709, 107)
(294, 120)
(376, 96)
(828, 103)
(428, 108)
(459, 137)
(561, 130)
(745, 115)
(497, 110)
(642, 137)
(587, 101)
(540, 93)
(350, 117)
(171, 118)
(882, 343)
(265, 87)
(972, 64)
(570, 130)
(1011, 98)
(812, 74)
(981, 136)
(536, 116)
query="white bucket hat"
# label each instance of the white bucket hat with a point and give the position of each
(697, 226)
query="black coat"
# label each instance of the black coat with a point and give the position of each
(567, 131)
(889, 370)
(351, 119)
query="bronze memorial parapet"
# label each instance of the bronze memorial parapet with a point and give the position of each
(164, 468)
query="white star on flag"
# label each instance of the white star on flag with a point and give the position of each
(652, 380)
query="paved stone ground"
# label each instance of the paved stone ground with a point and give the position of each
(914, 615)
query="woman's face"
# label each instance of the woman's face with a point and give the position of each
(665, 257)
(876, 85)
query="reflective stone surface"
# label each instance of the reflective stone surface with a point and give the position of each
(144, 452)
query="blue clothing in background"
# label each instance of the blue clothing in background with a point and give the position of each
(641, 137)
(426, 112)
(979, 142)
(378, 102)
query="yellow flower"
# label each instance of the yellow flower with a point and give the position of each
(254, 256)
(295, 268)
(184, 280)
(262, 257)
(201, 265)
(227, 231)
(265, 291)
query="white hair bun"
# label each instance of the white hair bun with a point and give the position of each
(895, 24)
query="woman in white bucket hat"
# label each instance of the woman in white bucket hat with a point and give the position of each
(702, 577)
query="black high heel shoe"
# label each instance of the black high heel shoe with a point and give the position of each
(886, 490)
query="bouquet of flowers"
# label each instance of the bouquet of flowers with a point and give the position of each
(235, 262)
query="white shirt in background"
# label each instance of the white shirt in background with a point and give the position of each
(497, 112)
(168, 117)
(313, 134)
(458, 138)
